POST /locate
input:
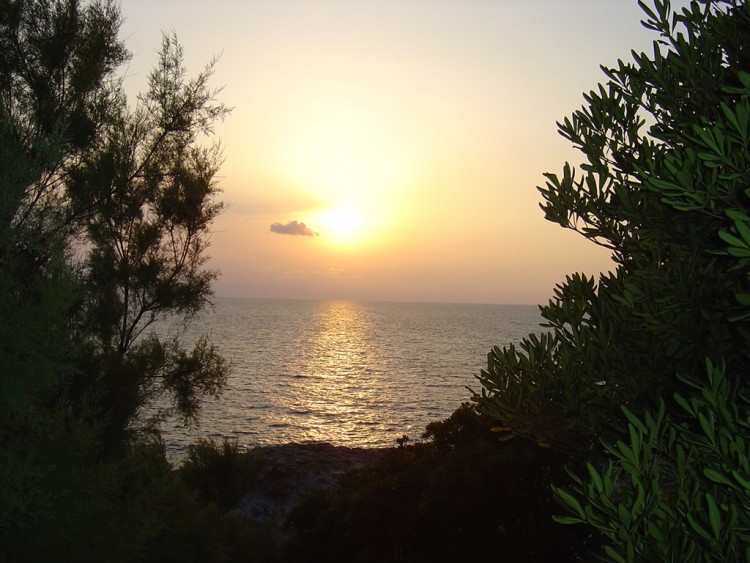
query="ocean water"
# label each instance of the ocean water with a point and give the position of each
(349, 373)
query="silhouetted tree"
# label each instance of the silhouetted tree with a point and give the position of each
(665, 187)
(145, 200)
(104, 217)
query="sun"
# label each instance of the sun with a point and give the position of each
(343, 225)
(346, 160)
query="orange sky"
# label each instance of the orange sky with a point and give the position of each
(406, 135)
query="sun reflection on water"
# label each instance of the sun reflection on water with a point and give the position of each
(338, 385)
(349, 373)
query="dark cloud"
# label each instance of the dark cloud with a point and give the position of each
(293, 228)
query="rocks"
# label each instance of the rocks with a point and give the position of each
(290, 471)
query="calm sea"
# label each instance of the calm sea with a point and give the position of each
(349, 373)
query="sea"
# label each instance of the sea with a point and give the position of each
(358, 374)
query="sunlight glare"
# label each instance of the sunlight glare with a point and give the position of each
(350, 157)
(342, 225)
(340, 145)
(345, 152)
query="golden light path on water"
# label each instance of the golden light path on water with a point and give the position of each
(331, 389)
(349, 373)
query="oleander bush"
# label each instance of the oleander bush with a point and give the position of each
(642, 373)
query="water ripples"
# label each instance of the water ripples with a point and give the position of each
(355, 374)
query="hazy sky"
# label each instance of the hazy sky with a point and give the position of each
(390, 149)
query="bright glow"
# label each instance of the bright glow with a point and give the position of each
(410, 135)
(338, 149)
(345, 225)
(334, 145)
(348, 157)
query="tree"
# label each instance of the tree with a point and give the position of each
(55, 63)
(146, 200)
(131, 194)
(104, 217)
(664, 187)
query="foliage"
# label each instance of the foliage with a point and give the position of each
(666, 169)
(146, 202)
(678, 489)
(129, 194)
(134, 507)
(664, 187)
(104, 214)
(60, 501)
(221, 474)
(54, 60)
(460, 496)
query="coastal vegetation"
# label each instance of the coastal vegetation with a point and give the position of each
(455, 495)
(643, 373)
(105, 209)
(621, 433)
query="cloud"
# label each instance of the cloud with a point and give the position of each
(293, 228)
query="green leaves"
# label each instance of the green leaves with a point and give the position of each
(695, 468)
(713, 516)
(571, 502)
(738, 236)
(663, 184)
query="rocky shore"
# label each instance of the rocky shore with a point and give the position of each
(290, 471)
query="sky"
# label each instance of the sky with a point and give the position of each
(390, 150)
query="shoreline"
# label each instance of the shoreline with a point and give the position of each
(292, 470)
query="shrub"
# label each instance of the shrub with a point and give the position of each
(461, 495)
(220, 474)
(664, 186)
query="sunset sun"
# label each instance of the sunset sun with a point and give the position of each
(344, 225)
(348, 156)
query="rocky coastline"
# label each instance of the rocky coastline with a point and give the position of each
(291, 471)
